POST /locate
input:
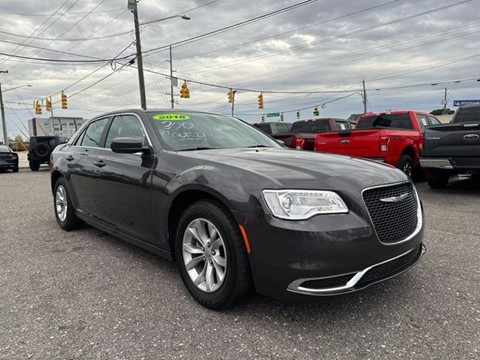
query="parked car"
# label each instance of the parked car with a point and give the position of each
(453, 149)
(8, 159)
(40, 149)
(302, 136)
(395, 138)
(236, 210)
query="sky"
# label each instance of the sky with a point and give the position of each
(315, 54)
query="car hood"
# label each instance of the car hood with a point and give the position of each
(303, 169)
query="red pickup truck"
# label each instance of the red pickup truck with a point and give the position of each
(395, 138)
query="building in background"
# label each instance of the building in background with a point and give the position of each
(54, 126)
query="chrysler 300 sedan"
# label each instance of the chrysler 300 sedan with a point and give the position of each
(235, 209)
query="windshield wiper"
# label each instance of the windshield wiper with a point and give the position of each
(255, 146)
(198, 148)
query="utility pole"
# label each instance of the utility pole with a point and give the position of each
(445, 103)
(172, 100)
(132, 5)
(233, 101)
(2, 109)
(364, 97)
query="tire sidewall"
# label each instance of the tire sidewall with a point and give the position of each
(404, 160)
(201, 210)
(70, 219)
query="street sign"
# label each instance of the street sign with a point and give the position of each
(465, 102)
(273, 114)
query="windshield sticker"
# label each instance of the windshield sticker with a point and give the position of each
(171, 117)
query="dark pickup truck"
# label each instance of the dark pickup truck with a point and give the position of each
(301, 134)
(454, 148)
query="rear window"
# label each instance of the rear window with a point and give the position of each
(468, 114)
(393, 121)
(266, 128)
(311, 127)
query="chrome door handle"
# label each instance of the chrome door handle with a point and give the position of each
(99, 163)
(69, 158)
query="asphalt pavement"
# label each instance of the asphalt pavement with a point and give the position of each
(87, 295)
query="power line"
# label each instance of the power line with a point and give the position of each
(72, 13)
(356, 32)
(234, 26)
(64, 60)
(294, 30)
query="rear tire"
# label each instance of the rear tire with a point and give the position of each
(406, 165)
(63, 207)
(34, 165)
(208, 239)
(437, 179)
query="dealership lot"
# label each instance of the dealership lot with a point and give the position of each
(85, 294)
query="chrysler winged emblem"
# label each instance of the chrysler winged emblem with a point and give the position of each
(395, 199)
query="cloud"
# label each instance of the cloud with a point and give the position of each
(327, 45)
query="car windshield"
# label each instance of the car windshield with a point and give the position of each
(4, 148)
(182, 131)
(396, 121)
(311, 126)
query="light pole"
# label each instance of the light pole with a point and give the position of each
(132, 5)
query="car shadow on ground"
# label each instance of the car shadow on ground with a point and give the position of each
(335, 308)
(462, 185)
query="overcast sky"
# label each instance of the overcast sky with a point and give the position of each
(326, 45)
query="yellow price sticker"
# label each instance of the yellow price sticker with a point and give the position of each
(171, 117)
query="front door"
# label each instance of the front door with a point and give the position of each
(123, 188)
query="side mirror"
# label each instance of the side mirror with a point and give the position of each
(127, 145)
(281, 142)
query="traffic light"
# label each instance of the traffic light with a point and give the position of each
(184, 92)
(64, 101)
(48, 104)
(263, 118)
(38, 108)
(231, 96)
(260, 101)
(281, 117)
(315, 111)
(298, 114)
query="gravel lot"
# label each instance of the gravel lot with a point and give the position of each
(87, 295)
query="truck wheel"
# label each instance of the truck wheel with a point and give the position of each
(34, 165)
(437, 179)
(63, 207)
(211, 255)
(406, 165)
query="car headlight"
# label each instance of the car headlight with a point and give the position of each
(303, 204)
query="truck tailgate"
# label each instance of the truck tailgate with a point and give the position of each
(360, 143)
(452, 140)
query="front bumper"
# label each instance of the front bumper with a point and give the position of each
(325, 255)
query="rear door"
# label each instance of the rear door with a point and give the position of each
(123, 187)
(80, 166)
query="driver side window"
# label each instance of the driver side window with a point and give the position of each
(125, 126)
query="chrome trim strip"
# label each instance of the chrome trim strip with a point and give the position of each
(419, 213)
(295, 285)
(436, 163)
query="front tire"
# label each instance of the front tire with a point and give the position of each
(63, 207)
(34, 165)
(211, 255)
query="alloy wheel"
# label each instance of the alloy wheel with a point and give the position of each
(61, 204)
(204, 255)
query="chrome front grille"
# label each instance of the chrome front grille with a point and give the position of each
(393, 210)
